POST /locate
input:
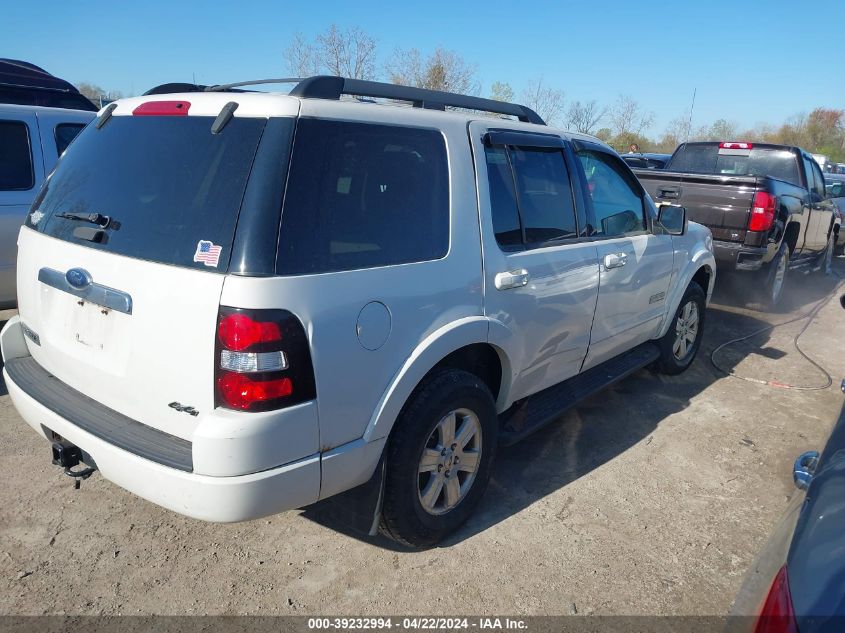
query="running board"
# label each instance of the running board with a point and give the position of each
(544, 407)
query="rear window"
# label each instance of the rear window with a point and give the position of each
(707, 159)
(170, 189)
(362, 195)
(15, 157)
(65, 133)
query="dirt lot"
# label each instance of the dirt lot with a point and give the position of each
(651, 498)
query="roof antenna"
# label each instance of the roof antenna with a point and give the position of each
(691, 108)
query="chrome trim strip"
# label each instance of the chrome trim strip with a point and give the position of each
(95, 293)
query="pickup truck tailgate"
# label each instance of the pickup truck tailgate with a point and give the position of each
(721, 203)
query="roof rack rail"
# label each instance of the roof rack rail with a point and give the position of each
(331, 87)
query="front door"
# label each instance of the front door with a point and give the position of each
(541, 272)
(635, 264)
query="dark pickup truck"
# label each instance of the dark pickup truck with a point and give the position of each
(765, 204)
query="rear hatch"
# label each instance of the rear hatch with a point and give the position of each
(141, 214)
(716, 182)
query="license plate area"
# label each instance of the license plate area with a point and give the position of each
(91, 325)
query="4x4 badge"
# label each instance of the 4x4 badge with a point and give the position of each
(184, 408)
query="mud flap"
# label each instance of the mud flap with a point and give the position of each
(357, 510)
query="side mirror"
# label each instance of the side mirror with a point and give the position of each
(673, 219)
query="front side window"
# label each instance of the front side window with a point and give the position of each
(363, 195)
(530, 196)
(616, 200)
(65, 133)
(15, 157)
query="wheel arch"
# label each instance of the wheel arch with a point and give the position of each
(702, 270)
(463, 344)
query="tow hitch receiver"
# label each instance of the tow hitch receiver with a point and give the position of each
(67, 456)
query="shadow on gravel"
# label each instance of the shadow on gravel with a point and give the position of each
(588, 436)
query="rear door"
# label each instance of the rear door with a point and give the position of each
(635, 264)
(541, 271)
(123, 260)
(21, 172)
(821, 208)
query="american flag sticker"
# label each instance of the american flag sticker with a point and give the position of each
(208, 253)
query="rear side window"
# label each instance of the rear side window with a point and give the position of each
(361, 195)
(15, 157)
(616, 200)
(65, 133)
(170, 189)
(530, 196)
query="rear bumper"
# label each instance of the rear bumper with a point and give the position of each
(210, 498)
(737, 256)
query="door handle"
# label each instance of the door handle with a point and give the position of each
(512, 279)
(669, 192)
(615, 260)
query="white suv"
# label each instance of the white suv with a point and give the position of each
(234, 304)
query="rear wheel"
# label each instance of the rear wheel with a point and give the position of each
(774, 278)
(439, 458)
(680, 344)
(826, 258)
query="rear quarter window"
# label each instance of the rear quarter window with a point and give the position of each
(65, 133)
(362, 195)
(15, 157)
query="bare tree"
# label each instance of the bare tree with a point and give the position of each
(349, 53)
(584, 117)
(628, 118)
(301, 56)
(501, 91)
(545, 101)
(721, 130)
(442, 70)
(96, 94)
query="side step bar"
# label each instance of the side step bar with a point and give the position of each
(544, 407)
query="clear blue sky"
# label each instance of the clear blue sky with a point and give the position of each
(751, 61)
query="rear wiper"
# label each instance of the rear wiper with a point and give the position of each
(94, 218)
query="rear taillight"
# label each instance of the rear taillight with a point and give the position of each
(762, 212)
(263, 360)
(777, 614)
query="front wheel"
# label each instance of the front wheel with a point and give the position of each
(680, 344)
(439, 458)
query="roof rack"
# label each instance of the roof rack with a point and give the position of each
(331, 87)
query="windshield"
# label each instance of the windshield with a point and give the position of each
(710, 159)
(161, 188)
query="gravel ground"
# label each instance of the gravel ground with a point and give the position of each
(650, 498)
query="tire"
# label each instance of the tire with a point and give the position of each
(774, 278)
(421, 432)
(677, 350)
(826, 258)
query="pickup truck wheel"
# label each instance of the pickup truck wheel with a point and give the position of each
(773, 281)
(439, 458)
(680, 344)
(826, 259)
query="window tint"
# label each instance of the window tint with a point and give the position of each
(65, 133)
(544, 194)
(810, 174)
(760, 161)
(362, 195)
(15, 157)
(502, 198)
(616, 200)
(166, 182)
(819, 181)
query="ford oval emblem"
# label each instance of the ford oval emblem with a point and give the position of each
(78, 278)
